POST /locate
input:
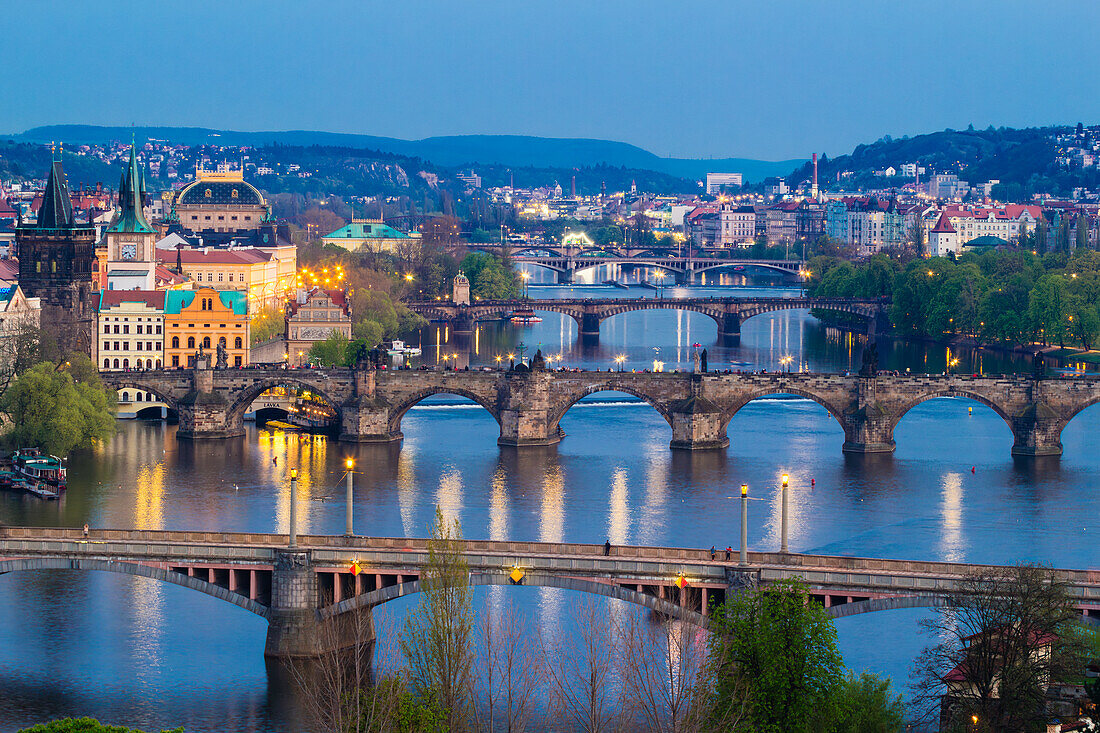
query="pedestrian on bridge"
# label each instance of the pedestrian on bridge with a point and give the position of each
(85, 529)
(729, 551)
(712, 552)
(607, 548)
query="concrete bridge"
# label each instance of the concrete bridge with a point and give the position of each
(298, 590)
(529, 405)
(683, 268)
(727, 313)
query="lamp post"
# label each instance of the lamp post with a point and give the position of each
(619, 360)
(293, 508)
(783, 530)
(349, 464)
(744, 524)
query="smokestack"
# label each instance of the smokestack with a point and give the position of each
(813, 189)
(573, 187)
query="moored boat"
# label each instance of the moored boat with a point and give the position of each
(36, 488)
(525, 315)
(30, 463)
(398, 347)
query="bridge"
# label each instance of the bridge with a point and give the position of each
(589, 313)
(567, 262)
(528, 404)
(299, 589)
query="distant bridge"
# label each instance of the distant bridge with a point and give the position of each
(727, 313)
(567, 262)
(528, 405)
(297, 590)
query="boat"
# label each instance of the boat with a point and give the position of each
(398, 348)
(525, 315)
(36, 488)
(30, 463)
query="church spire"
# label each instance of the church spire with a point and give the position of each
(56, 211)
(131, 198)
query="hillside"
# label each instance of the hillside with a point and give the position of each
(449, 151)
(1024, 160)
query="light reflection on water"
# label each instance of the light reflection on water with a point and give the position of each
(140, 653)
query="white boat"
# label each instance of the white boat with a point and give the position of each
(37, 488)
(398, 348)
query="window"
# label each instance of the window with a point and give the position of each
(221, 342)
(175, 342)
(116, 363)
(234, 195)
(158, 363)
(158, 329)
(139, 328)
(106, 363)
(237, 361)
(231, 274)
(139, 343)
(116, 328)
(194, 218)
(221, 218)
(125, 363)
(237, 343)
(206, 218)
(175, 360)
(208, 194)
(140, 396)
(126, 328)
(206, 342)
(190, 342)
(106, 328)
(125, 396)
(221, 275)
(106, 345)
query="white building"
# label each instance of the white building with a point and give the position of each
(1004, 223)
(131, 337)
(736, 225)
(715, 181)
(943, 240)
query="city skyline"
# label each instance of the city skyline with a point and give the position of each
(807, 78)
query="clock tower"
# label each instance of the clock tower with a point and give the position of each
(131, 242)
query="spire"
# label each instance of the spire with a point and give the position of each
(56, 211)
(131, 198)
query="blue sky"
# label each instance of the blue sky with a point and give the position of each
(760, 79)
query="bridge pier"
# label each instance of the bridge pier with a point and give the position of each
(461, 324)
(525, 417)
(567, 276)
(295, 627)
(697, 425)
(590, 324)
(1037, 431)
(205, 413)
(869, 428)
(729, 328)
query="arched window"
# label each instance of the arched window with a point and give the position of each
(140, 397)
(158, 363)
(190, 342)
(206, 342)
(125, 396)
(116, 363)
(175, 342)
(106, 363)
(237, 343)
(208, 193)
(125, 363)
(221, 342)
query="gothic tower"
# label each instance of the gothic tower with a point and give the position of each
(56, 258)
(131, 242)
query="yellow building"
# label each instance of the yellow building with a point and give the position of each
(267, 276)
(203, 318)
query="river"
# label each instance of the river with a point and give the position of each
(141, 653)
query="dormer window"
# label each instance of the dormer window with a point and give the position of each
(208, 193)
(235, 194)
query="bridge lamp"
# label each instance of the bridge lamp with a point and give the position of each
(619, 360)
(783, 523)
(293, 508)
(408, 277)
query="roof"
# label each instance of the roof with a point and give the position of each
(176, 300)
(56, 211)
(113, 298)
(164, 276)
(131, 199)
(9, 270)
(237, 193)
(943, 226)
(366, 230)
(215, 256)
(336, 296)
(987, 240)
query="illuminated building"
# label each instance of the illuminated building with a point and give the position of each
(203, 318)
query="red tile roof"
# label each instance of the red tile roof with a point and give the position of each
(215, 256)
(944, 224)
(152, 298)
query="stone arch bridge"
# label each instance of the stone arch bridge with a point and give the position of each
(306, 593)
(727, 313)
(529, 405)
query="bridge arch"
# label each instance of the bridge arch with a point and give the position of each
(135, 569)
(133, 381)
(397, 413)
(245, 396)
(969, 394)
(583, 585)
(780, 388)
(562, 407)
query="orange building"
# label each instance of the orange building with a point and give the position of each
(203, 318)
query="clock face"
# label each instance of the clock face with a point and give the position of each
(129, 251)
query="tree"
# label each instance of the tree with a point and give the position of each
(489, 278)
(1048, 308)
(865, 704)
(332, 352)
(778, 648)
(83, 725)
(1081, 228)
(510, 678)
(51, 410)
(266, 324)
(1002, 636)
(437, 638)
(916, 237)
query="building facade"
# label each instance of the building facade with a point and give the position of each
(265, 276)
(130, 252)
(368, 235)
(131, 329)
(315, 315)
(202, 319)
(219, 200)
(737, 225)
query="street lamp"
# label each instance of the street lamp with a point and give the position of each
(526, 284)
(619, 360)
(786, 361)
(498, 359)
(293, 508)
(783, 531)
(744, 524)
(349, 464)
(660, 275)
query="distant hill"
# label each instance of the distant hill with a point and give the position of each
(1024, 160)
(449, 151)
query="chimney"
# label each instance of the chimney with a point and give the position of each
(813, 189)
(573, 187)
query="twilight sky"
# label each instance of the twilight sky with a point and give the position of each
(691, 78)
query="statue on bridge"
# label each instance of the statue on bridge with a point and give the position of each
(1038, 366)
(703, 360)
(869, 368)
(222, 358)
(538, 361)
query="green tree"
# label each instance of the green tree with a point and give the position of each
(437, 638)
(267, 323)
(489, 278)
(777, 648)
(917, 237)
(1048, 309)
(53, 411)
(864, 704)
(1082, 231)
(332, 352)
